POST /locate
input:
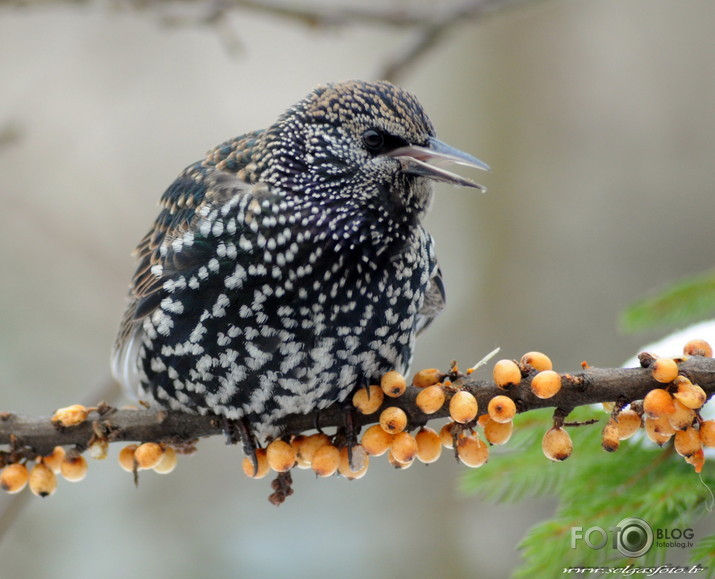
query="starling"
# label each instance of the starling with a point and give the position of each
(290, 266)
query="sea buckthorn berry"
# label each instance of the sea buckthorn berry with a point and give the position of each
(609, 437)
(698, 348)
(280, 455)
(537, 360)
(557, 444)
(393, 420)
(546, 384)
(430, 399)
(446, 434)
(260, 469)
(168, 461)
(664, 370)
(697, 459)
(70, 415)
(360, 462)
(126, 457)
(368, 400)
(55, 458)
(501, 409)
(687, 442)
(396, 463)
(463, 407)
(393, 384)
(74, 469)
(308, 445)
(506, 373)
(148, 455)
(657, 403)
(404, 447)
(429, 445)
(472, 451)
(14, 477)
(427, 377)
(707, 432)
(98, 449)
(689, 394)
(326, 460)
(376, 441)
(498, 432)
(683, 416)
(628, 423)
(608, 406)
(658, 430)
(42, 481)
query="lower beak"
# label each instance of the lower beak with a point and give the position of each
(416, 160)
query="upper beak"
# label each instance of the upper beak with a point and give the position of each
(415, 161)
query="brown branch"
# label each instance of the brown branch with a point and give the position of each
(30, 436)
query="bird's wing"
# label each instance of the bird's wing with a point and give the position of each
(434, 302)
(175, 249)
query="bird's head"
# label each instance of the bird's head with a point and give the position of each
(365, 144)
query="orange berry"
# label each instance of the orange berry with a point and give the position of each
(393, 384)
(55, 458)
(148, 455)
(628, 423)
(307, 446)
(359, 465)
(689, 394)
(546, 384)
(537, 360)
(682, 417)
(393, 419)
(687, 442)
(430, 399)
(368, 400)
(446, 435)
(14, 477)
(74, 469)
(376, 441)
(501, 409)
(658, 430)
(498, 432)
(506, 373)
(280, 455)
(168, 461)
(126, 457)
(657, 403)
(427, 377)
(609, 437)
(260, 469)
(326, 460)
(396, 463)
(608, 406)
(697, 459)
(664, 370)
(472, 451)
(707, 432)
(698, 348)
(463, 407)
(557, 444)
(429, 445)
(42, 481)
(70, 415)
(404, 447)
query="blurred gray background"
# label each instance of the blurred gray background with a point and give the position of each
(598, 119)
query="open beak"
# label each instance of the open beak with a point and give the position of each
(416, 160)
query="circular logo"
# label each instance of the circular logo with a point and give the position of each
(635, 537)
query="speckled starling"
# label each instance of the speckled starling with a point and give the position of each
(290, 266)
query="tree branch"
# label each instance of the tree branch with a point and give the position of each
(31, 436)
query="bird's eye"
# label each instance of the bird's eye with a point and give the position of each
(373, 140)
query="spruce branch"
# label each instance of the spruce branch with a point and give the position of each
(27, 437)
